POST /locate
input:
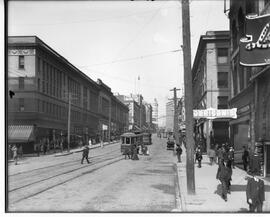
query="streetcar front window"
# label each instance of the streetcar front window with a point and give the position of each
(127, 140)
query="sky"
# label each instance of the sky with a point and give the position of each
(132, 46)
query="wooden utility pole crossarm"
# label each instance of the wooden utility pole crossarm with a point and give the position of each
(188, 97)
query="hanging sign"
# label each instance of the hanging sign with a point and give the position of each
(255, 47)
(212, 113)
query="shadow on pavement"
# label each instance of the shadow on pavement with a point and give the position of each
(167, 172)
(167, 189)
(243, 210)
(243, 188)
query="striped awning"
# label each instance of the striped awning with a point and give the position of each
(20, 133)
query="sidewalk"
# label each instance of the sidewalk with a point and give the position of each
(64, 153)
(81, 149)
(208, 190)
(34, 162)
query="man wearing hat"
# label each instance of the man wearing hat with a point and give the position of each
(255, 192)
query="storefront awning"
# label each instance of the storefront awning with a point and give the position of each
(20, 133)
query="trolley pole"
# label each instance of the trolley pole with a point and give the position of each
(188, 97)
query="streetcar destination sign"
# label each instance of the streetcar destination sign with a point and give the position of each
(212, 113)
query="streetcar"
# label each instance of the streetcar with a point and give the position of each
(129, 139)
(147, 138)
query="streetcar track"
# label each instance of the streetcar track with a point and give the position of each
(70, 179)
(63, 173)
(59, 164)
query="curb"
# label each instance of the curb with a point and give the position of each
(63, 154)
(178, 199)
(80, 150)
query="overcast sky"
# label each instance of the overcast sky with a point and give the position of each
(119, 41)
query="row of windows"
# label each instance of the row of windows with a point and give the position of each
(61, 112)
(222, 102)
(57, 111)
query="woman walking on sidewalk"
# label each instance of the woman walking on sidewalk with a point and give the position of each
(223, 174)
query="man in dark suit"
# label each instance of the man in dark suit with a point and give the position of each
(255, 193)
(85, 154)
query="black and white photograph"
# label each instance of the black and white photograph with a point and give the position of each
(136, 106)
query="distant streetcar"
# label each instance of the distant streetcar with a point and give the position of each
(129, 139)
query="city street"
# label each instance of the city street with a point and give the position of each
(109, 183)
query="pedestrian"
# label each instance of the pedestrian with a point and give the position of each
(229, 168)
(101, 143)
(223, 175)
(134, 152)
(245, 157)
(216, 154)
(20, 151)
(38, 148)
(224, 153)
(127, 152)
(90, 143)
(220, 155)
(255, 192)
(44, 148)
(15, 154)
(85, 154)
(10, 151)
(212, 155)
(80, 143)
(199, 156)
(178, 153)
(231, 156)
(61, 146)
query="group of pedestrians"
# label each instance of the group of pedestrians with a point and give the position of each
(255, 192)
(132, 152)
(224, 157)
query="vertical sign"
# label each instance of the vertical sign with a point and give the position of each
(255, 47)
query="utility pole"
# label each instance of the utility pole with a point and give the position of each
(110, 117)
(188, 97)
(175, 122)
(69, 111)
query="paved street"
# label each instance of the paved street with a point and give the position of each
(109, 183)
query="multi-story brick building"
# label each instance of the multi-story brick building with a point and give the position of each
(250, 88)
(211, 85)
(140, 116)
(43, 82)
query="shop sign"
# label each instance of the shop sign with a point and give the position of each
(104, 127)
(243, 109)
(255, 47)
(212, 113)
